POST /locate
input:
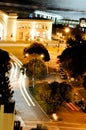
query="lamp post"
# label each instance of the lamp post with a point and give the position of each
(59, 35)
(67, 30)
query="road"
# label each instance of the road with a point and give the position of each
(26, 107)
(25, 103)
(71, 126)
(71, 120)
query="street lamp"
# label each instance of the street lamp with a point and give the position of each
(67, 30)
(42, 56)
(54, 116)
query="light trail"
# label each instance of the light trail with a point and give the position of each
(22, 83)
(23, 89)
(16, 70)
(16, 60)
(12, 70)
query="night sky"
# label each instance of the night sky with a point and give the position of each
(78, 5)
(72, 9)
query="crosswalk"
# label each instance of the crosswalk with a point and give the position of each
(72, 107)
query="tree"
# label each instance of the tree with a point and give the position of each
(52, 96)
(75, 38)
(60, 92)
(35, 68)
(84, 82)
(37, 48)
(55, 99)
(66, 91)
(74, 60)
(42, 95)
(5, 89)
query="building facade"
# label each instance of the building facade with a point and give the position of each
(82, 24)
(57, 17)
(14, 29)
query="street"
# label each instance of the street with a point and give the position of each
(71, 120)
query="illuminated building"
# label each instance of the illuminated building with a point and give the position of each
(82, 24)
(57, 17)
(14, 29)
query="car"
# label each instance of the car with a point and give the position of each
(83, 108)
(63, 76)
(79, 103)
(58, 61)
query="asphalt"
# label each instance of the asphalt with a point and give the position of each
(24, 114)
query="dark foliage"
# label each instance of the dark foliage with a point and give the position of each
(5, 88)
(75, 38)
(74, 42)
(84, 82)
(60, 89)
(35, 68)
(60, 92)
(74, 59)
(38, 48)
(53, 95)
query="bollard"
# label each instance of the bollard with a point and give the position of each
(16, 125)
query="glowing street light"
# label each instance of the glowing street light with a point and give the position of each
(42, 56)
(54, 116)
(67, 30)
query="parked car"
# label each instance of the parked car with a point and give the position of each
(79, 103)
(63, 76)
(58, 61)
(83, 108)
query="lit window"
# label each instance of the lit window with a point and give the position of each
(46, 28)
(21, 35)
(36, 25)
(44, 35)
(42, 26)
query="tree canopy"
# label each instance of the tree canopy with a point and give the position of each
(75, 39)
(73, 59)
(5, 89)
(52, 96)
(35, 68)
(38, 48)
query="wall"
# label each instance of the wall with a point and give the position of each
(6, 119)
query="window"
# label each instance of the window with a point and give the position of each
(21, 35)
(44, 35)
